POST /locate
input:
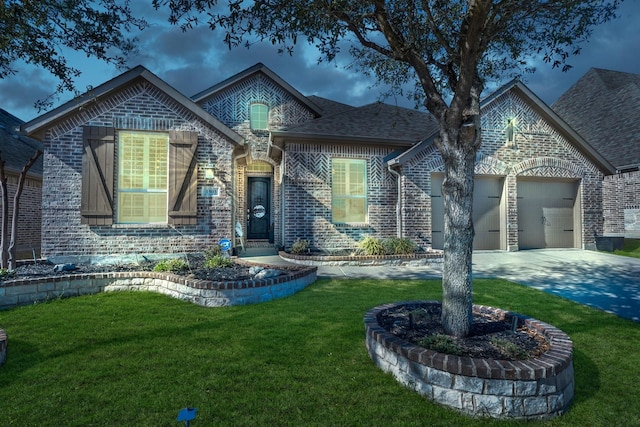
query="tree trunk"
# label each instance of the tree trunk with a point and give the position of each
(16, 208)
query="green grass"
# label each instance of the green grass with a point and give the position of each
(136, 359)
(631, 248)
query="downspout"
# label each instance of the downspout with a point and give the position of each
(399, 201)
(234, 192)
(282, 190)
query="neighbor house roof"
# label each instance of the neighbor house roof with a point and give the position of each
(603, 106)
(39, 125)
(549, 115)
(255, 69)
(16, 149)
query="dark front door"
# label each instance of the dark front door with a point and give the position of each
(259, 206)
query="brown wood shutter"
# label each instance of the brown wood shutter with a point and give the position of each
(97, 175)
(183, 183)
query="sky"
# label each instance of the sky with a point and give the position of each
(197, 59)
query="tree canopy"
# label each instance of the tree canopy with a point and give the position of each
(38, 32)
(449, 48)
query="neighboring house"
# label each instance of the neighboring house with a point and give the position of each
(15, 151)
(134, 167)
(603, 106)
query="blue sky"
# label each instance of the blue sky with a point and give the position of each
(197, 59)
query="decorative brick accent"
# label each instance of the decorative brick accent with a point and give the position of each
(539, 388)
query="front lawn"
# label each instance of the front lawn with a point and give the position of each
(136, 359)
(631, 248)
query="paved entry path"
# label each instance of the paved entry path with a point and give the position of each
(601, 280)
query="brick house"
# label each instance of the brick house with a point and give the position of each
(16, 150)
(603, 107)
(135, 167)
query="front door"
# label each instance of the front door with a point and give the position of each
(259, 207)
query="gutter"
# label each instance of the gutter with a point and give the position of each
(399, 201)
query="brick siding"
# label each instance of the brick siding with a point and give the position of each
(621, 195)
(139, 106)
(30, 214)
(539, 151)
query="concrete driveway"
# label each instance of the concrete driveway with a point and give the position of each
(607, 282)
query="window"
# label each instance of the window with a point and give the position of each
(349, 188)
(140, 190)
(142, 177)
(259, 116)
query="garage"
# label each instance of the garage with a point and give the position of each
(548, 214)
(487, 212)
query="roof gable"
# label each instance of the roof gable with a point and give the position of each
(259, 68)
(542, 109)
(38, 126)
(603, 107)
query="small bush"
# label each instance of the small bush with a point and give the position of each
(5, 273)
(510, 349)
(212, 252)
(399, 246)
(300, 246)
(371, 246)
(441, 343)
(173, 265)
(219, 261)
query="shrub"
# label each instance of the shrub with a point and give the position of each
(5, 273)
(399, 246)
(300, 246)
(174, 265)
(511, 349)
(441, 343)
(214, 251)
(218, 261)
(371, 246)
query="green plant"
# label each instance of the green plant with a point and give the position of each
(511, 349)
(631, 248)
(371, 246)
(174, 265)
(212, 252)
(440, 343)
(6, 273)
(218, 261)
(399, 246)
(300, 246)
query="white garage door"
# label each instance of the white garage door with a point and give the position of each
(487, 199)
(546, 214)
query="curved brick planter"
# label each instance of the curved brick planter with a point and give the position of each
(432, 257)
(3, 346)
(201, 292)
(539, 388)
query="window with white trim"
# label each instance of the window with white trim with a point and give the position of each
(259, 116)
(142, 177)
(349, 190)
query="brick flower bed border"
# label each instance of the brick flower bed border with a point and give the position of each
(202, 292)
(539, 388)
(364, 260)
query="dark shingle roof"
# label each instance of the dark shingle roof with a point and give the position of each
(377, 121)
(15, 148)
(328, 106)
(603, 107)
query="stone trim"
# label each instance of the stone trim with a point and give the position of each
(200, 292)
(539, 388)
(364, 260)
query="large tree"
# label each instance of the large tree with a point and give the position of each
(41, 32)
(448, 47)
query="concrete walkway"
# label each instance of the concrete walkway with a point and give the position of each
(604, 281)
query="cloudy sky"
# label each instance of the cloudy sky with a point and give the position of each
(197, 59)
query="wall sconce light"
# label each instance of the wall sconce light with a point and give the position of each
(209, 171)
